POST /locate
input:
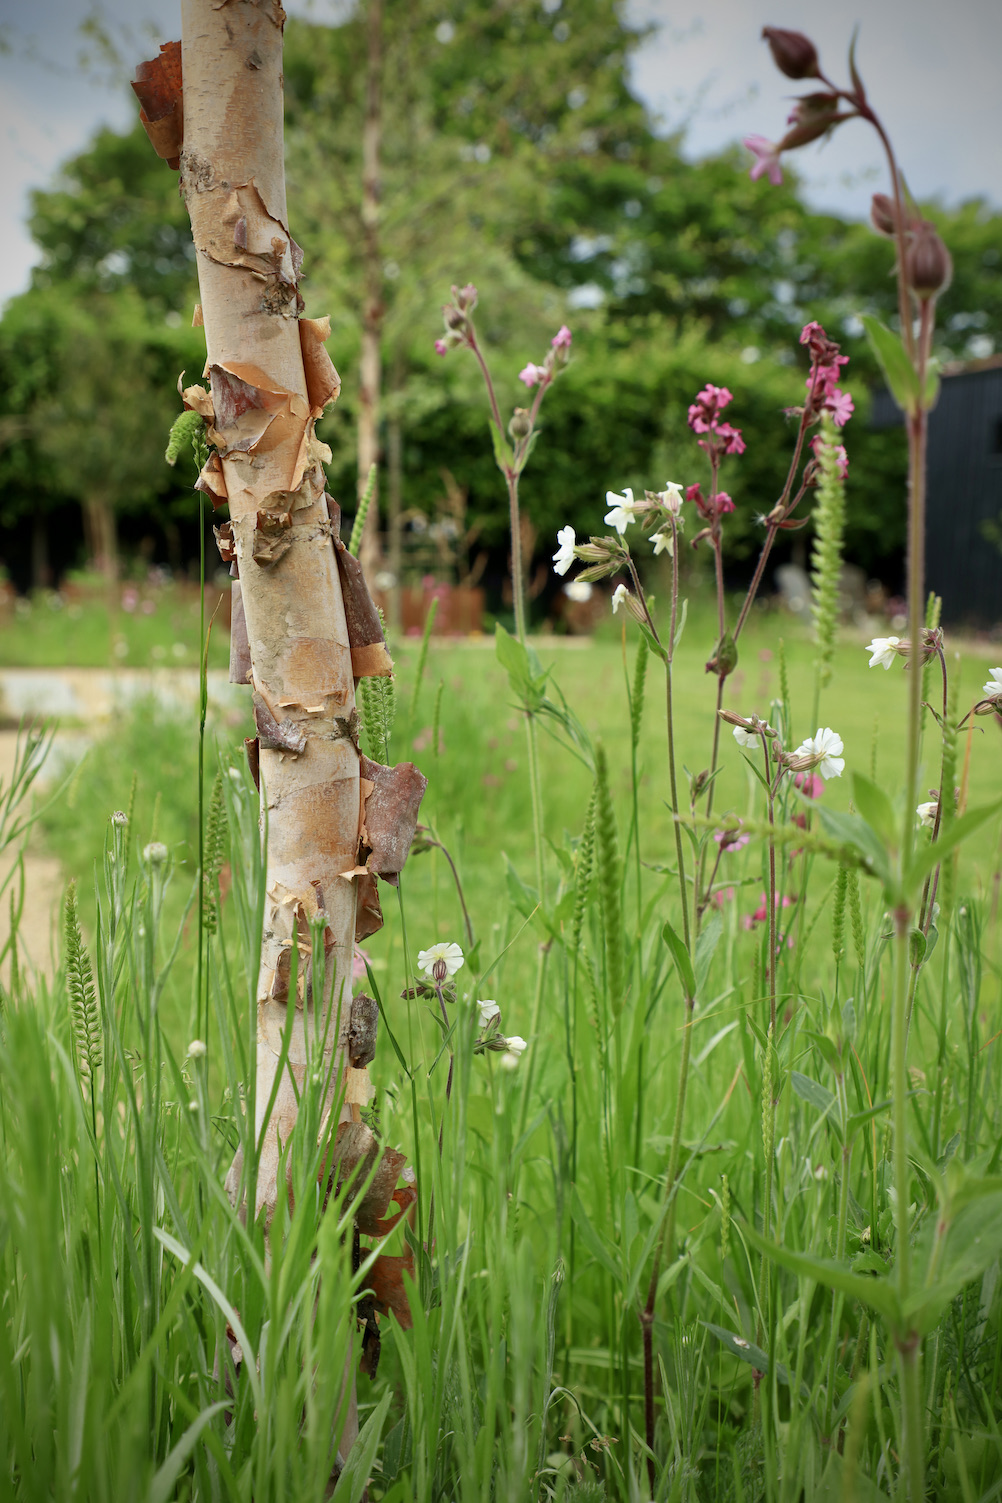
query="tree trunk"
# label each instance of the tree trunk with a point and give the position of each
(395, 488)
(267, 464)
(41, 568)
(370, 365)
(100, 537)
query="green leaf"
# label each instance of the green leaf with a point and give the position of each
(929, 856)
(656, 647)
(972, 1243)
(680, 625)
(599, 1247)
(813, 1092)
(503, 457)
(892, 357)
(875, 807)
(930, 395)
(852, 830)
(879, 1294)
(523, 898)
(162, 1486)
(748, 1352)
(523, 458)
(683, 964)
(706, 944)
(525, 673)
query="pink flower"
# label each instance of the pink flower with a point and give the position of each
(721, 896)
(761, 912)
(841, 407)
(812, 331)
(809, 784)
(532, 375)
(440, 347)
(722, 503)
(731, 840)
(562, 338)
(694, 493)
(766, 155)
(733, 442)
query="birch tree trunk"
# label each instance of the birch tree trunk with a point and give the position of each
(370, 356)
(265, 399)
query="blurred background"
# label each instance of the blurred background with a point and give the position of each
(580, 162)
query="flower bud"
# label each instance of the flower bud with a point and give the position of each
(813, 116)
(792, 52)
(928, 265)
(454, 317)
(466, 297)
(520, 425)
(883, 215)
(119, 818)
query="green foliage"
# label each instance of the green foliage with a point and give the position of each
(87, 1029)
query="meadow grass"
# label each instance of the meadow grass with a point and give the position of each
(123, 1262)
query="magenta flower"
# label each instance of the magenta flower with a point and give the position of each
(733, 442)
(722, 502)
(841, 457)
(440, 346)
(766, 155)
(722, 895)
(532, 375)
(731, 840)
(562, 338)
(809, 784)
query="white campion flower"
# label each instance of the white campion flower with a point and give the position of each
(662, 542)
(564, 556)
(993, 688)
(672, 497)
(197, 1049)
(516, 1047)
(883, 650)
(579, 590)
(620, 595)
(825, 748)
(927, 813)
(488, 1012)
(449, 953)
(624, 510)
(748, 739)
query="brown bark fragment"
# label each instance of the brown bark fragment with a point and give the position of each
(368, 912)
(240, 658)
(212, 481)
(363, 1025)
(224, 542)
(386, 1280)
(365, 630)
(253, 751)
(323, 384)
(277, 735)
(271, 536)
(157, 86)
(359, 1162)
(197, 399)
(389, 814)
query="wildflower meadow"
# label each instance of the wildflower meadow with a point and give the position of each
(601, 1101)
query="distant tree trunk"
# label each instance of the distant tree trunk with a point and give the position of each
(100, 536)
(370, 361)
(395, 487)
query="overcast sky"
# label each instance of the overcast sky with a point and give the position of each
(933, 71)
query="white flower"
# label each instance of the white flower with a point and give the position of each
(620, 594)
(515, 1048)
(750, 739)
(564, 556)
(883, 650)
(624, 510)
(449, 953)
(927, 813)
(155, 853)
(196, 1049)
(672, 498)
(993, 688)
(579, 590)
(662, 541)
(826, 748)
(488, 1012)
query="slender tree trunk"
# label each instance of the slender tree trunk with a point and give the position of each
(370, 367)
(101, 536)
(395, 488)
(41, 568)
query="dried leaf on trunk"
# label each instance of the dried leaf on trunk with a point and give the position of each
(211, 481)
(197, 399)
(277, 735)
(224, 542)
(157, 86)
(368, 913)
(363, 1026)
(323, 384)
(369, 657)
(240, 658)
(385, 1279)
(358, 1161)
(389, 814)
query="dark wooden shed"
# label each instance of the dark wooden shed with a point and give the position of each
(964, 507)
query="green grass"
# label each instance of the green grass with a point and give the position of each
(156, 626)
(522, 1376)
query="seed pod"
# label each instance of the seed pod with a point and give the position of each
(792, 52)
(928, 264)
